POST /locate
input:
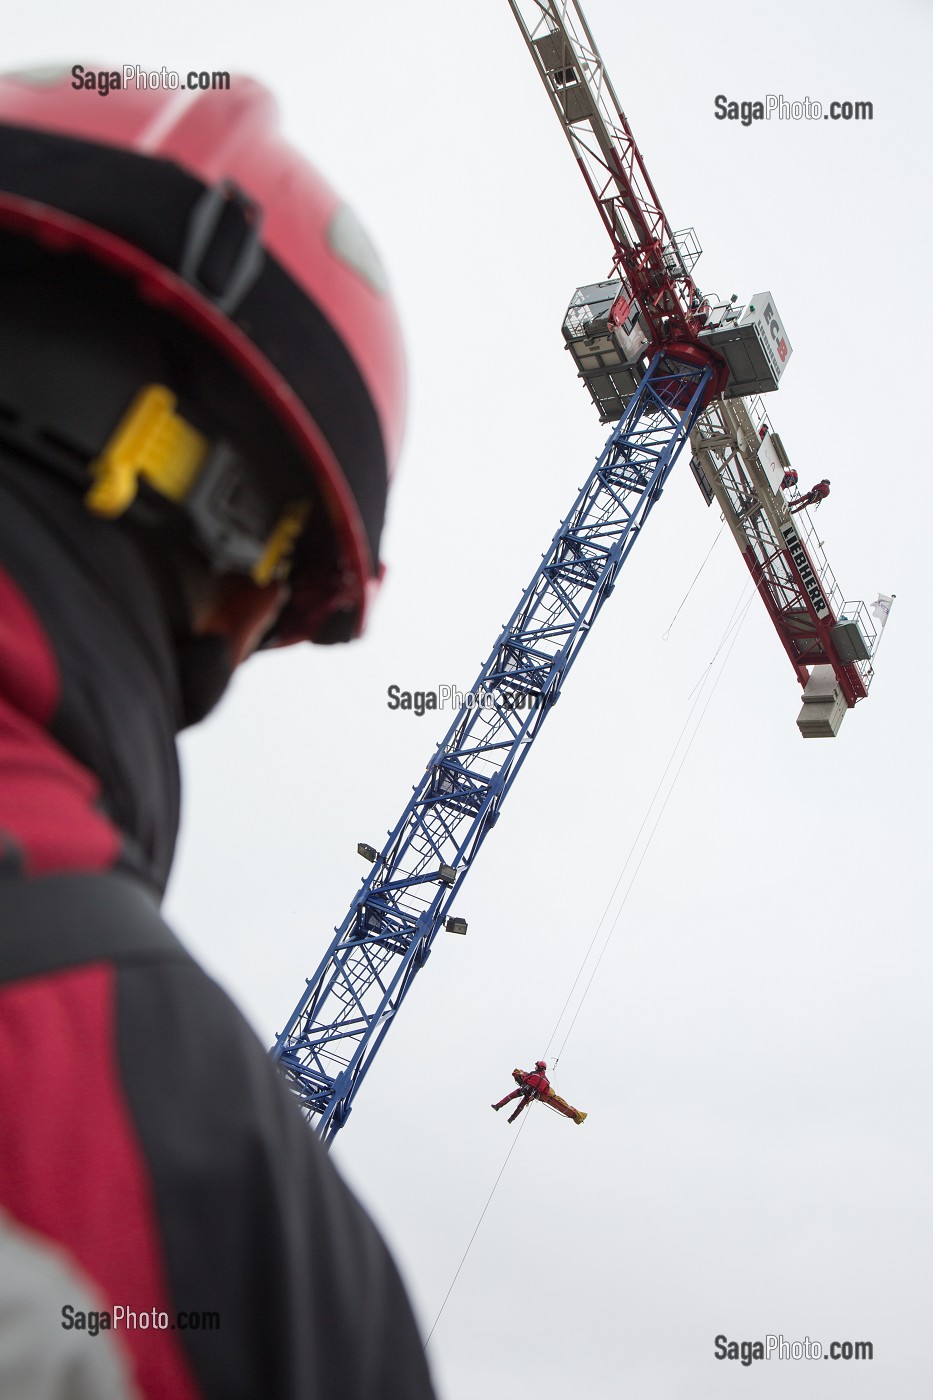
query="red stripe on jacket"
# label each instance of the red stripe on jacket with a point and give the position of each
(59, 1084)
(46, 797)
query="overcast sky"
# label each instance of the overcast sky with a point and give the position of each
(754, 1052)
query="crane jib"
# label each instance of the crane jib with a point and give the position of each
(801, 562)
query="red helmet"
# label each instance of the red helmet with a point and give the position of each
(541, 1065)
(196, 198)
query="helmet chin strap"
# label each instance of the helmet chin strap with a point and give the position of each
(242, 613)
(213, 631)
(225, 633)
(204, 668)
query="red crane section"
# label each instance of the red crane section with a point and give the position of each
(740, 462)
(654, 262)
(651, 301)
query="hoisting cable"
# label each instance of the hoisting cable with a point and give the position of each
(733, 623)
(665, 635)
(476, 1230)
(644, 853)
(615, 921)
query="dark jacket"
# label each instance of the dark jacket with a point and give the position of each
(151, 1157)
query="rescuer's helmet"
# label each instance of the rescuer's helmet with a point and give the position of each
(193, 224)
(540, 1065)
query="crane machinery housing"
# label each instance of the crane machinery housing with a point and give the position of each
(668, 367)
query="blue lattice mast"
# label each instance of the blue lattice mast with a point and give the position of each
(353, 997)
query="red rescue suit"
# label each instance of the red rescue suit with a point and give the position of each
(814, 497)
(532, 1084)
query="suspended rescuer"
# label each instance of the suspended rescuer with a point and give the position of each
(534, 1085)
(200, 403)
(814, 497)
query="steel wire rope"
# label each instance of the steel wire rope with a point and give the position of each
(665, 635)
(476, 1229)
(732, 625)
(644, 821)
(641, 828)
(647, 847)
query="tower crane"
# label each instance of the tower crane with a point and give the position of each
(668, 367)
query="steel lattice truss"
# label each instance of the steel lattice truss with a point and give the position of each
(657, 265)
(725, 442)
(656, 262)
(352, 999)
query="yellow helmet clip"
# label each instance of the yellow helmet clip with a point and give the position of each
(151, 441)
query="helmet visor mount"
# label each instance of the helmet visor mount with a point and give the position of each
(240, 527)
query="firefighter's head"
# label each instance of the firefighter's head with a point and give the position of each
(197, 335)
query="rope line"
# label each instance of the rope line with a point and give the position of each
(644, 821)
(733, 622)
(644, 853)
(618, 882)
(732, 626)
(665, 635)
(478, 1224)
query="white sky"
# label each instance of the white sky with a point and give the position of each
(754, 1054)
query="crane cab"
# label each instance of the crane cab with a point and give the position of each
(608, 358)
(610, 350)
(752, 341)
